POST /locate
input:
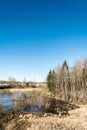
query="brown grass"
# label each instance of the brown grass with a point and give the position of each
(76, 121)
(12, 90)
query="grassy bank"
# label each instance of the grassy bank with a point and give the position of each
(77, 120)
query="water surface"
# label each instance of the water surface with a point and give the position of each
(21, 101)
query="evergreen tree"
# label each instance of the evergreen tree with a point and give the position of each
(51, 81)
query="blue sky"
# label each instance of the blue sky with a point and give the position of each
(38, 35)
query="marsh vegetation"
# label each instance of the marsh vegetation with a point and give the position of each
(60, 100)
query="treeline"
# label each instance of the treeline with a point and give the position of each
(69, 84)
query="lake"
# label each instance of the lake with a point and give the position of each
(22, 101)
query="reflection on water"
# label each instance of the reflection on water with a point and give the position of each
(22, 101)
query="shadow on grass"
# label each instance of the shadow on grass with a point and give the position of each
(60, 107)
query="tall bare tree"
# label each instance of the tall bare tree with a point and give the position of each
(71, 84)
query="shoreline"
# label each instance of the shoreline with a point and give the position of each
(13, 90)
(30, 121)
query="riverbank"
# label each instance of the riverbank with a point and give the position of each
(22, 90)
(76, 120)
(67, 116)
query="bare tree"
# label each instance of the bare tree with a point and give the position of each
(71, 84)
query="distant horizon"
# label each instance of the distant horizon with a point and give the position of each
(36, 36)
(10, 78)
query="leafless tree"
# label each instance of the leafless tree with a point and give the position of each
(71, 83)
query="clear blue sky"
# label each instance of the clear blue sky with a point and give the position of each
(37, 35)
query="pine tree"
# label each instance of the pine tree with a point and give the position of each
(51, 81)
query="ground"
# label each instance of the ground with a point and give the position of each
(76, 120)
(13, 90)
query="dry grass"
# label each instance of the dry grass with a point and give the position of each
(12, 90)
(76, 121)
(2, 91)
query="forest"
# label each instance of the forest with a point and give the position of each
(69, 84)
